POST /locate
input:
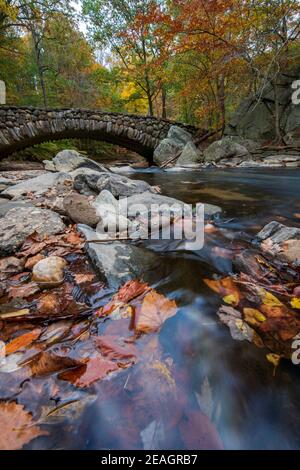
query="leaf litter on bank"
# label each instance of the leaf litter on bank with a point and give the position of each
(266, 308)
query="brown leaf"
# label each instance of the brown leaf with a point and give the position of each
(31, 262)
(95, 369)
(115, 348)
(46, 363)
(17, 428)
(23, 291)
(130, 291)
(226, 288)
(83, 278)
(74, 238)
(22, 341)
(153, 312)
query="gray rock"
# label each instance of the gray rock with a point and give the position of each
(120, 262)
(254, 118)
(190, 154)
(175, 142)
(70, 160)
(49, 165)
(86, 184)
(38, 185)
(21, 222)
(121, 186)
(148, 199)
(166, 150)
(281, 159)
(250, 164)
(8, 205)
(282, 241)
(225, 148)
(179, 135)
(278, 233)
(80, 210)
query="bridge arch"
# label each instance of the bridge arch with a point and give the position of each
(22, 127)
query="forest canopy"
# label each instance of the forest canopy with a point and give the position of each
(187, 60)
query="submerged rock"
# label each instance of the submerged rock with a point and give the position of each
(119, 262)
(49, 272)
(37, 185)
(21, 222)
(80, 209)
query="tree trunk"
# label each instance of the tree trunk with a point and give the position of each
(39, 64)
(163, 103)
(221, 101)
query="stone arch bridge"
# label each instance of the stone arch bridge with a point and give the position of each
(22, 127)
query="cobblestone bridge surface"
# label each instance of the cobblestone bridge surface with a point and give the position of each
(22, 127)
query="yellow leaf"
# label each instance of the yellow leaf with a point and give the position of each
(274, 359)
(269, 299)
(252, 314)
(231, 299)
(295, 302)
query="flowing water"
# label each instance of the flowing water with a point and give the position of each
(231, 382)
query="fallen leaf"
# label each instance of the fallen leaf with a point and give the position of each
(17, 313)
(295, 302)
(226, 288)
(23, 291)
(22, 341)
(85, 375)
(115, 348)
(130, 291)
(153, 312)
(253, 316)
(31, 262)
(17, 428)
(274, 359)
(83, 278)
(46, 363)
(70, 410)
(74, 238)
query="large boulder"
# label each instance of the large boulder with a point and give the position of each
(71, 160)
(37, 185)
(189, 155)
(175, 142)
(121, 186)
(119, 262)
(225, 148)
(80, 209)
(147, 199)
(21, 222)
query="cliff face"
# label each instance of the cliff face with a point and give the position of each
(255, 117)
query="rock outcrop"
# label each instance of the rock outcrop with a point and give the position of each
(254, 118)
